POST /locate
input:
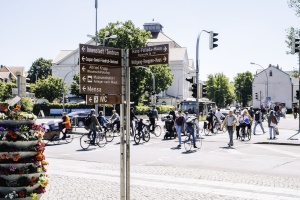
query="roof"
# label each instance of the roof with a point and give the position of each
(62, 54)
(12, 70)
(5, 75)
(177, 53)
(160, 37)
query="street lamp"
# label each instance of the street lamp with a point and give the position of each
(63, 89)
(252, 63)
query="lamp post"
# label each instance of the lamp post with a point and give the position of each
(267, 95)
(63, 89)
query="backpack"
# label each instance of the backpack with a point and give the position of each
(208, 117)
(273, 120)
(87, 120)
(190, 121)
(150, 114)
(256, 117)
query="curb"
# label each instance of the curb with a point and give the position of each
(277, 143)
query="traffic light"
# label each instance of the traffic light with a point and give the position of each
(153, 93)
(204, 91)
(256, 96)
(212, 40)
(194, 90)
(157, 98)
(190, 79)
(295, 45)
(297, 94)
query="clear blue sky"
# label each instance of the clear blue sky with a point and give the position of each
(249, 30)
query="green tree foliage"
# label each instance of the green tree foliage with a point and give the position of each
(6, 90)
(41, 68)
(74, 90)
(50, 88)
(293, 32)
(129, 36)
(243, 87)
(26, 104)
(219, 89)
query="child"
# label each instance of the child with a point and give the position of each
(140, 127)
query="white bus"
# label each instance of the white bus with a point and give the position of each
(204, 106)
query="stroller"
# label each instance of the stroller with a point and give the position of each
(169, 128)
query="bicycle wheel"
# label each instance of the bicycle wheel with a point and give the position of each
(249, 134)
(101, 139)
(205, 131)
(85, 141)
(55, 139)
(199, 143)
(69, 138)
(158, 130)
(243, 134)
(216, 129)
(109, 134)
(188, 143)
(136, 138)
(146, 136)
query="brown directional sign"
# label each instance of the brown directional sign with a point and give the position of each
(100, 70)
(100, 60)
(92, 88)
(103, 99)
(149, 51)
(99, 51)
(150, 60)
(100, 79)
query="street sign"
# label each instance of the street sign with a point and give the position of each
(100, 60)
(149, 51)
(103, 99)
(99, 79)
(99, 51)
(100, 70)
(93, 88)
(150, 60)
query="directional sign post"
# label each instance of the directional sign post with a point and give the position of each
(103, 99)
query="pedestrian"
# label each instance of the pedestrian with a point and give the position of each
(152, 114)
(272, 123)
(230, 123)
(192, 124)
(132, 116)
(283, 111)
(251, 112)
(295, 111)
(172, 113)
(94, 125)
(237, 128)
(179, 126)
(277, 112)
(210, 118)
(257, 118)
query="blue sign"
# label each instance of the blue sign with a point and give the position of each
(268, 98)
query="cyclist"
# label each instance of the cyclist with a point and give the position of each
(219, 117)
(245, 120)
(115, 119)
(191, 124)
(152, 114)
(230, 123)
(210, 118)
(93, 126)
(132, 116)
(66, 124)
(140, 127)
(102, 120)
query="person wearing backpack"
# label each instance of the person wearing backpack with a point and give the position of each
(93, 125)
(272, 123)
(257, 118)
(179, 126)
(191, 124)
(152, 114)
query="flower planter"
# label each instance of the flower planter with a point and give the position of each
(22, 171)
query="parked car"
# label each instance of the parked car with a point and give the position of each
(77, 118)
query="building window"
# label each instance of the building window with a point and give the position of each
(270, 73)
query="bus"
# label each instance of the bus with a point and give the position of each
(204, 106)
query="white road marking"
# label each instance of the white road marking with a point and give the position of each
(273, 148)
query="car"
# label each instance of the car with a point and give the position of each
(77, 117)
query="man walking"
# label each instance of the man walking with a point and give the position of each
(257, 118)
(230, 123)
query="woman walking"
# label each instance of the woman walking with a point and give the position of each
(179, 126)
(272, 123)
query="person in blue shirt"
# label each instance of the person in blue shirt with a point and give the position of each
(140, 127)
(102, 120)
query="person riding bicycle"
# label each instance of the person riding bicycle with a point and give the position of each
(66, 124)
(152, 114)
(191, 124)
(210, 118)
(115, 119)
(245, 120)
(140, 127)
(219, 116)
(94, 125)
(102, 120)
(132, 116)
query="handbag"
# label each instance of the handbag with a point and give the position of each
(276, 130)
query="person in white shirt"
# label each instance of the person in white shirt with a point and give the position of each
(218, 115)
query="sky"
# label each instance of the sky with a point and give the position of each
(249, 30)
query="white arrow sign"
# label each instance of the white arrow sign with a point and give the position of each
(90, 99)
(84, 88)
(83, 58)
(83, 78)
(83, 48)
(165, 48)
(165, 58)
(83, 69)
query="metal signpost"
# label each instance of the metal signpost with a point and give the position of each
(105, 78)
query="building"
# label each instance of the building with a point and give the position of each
(272, 85)
(66, 64)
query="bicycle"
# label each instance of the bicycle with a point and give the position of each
(137, 137)
(55, 136)
(205, 128)
(87, 138)
(246, 132)
(188, 141)
(111, 131)
(157, 129)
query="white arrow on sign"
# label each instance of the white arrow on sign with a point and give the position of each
(83, 58)
(90, 99)
(83, 78)
(165, 48)
(83, 69)
(165, 58)
(84, 88)
(83, 48)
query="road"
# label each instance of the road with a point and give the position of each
(250, 170)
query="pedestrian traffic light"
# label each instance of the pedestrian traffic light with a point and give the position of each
(297, 94)
(194, 90)
(157, 98)
(256, 96)
(190, 79)
(204, 91)
(212, 40)
(295, 45)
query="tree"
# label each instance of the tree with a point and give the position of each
(243, 87)
(219, 89)
(6, 89)
(26, 104)
(128, 36)
(293, 32)
(50, 88)
(41, 68)
(74, 90)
